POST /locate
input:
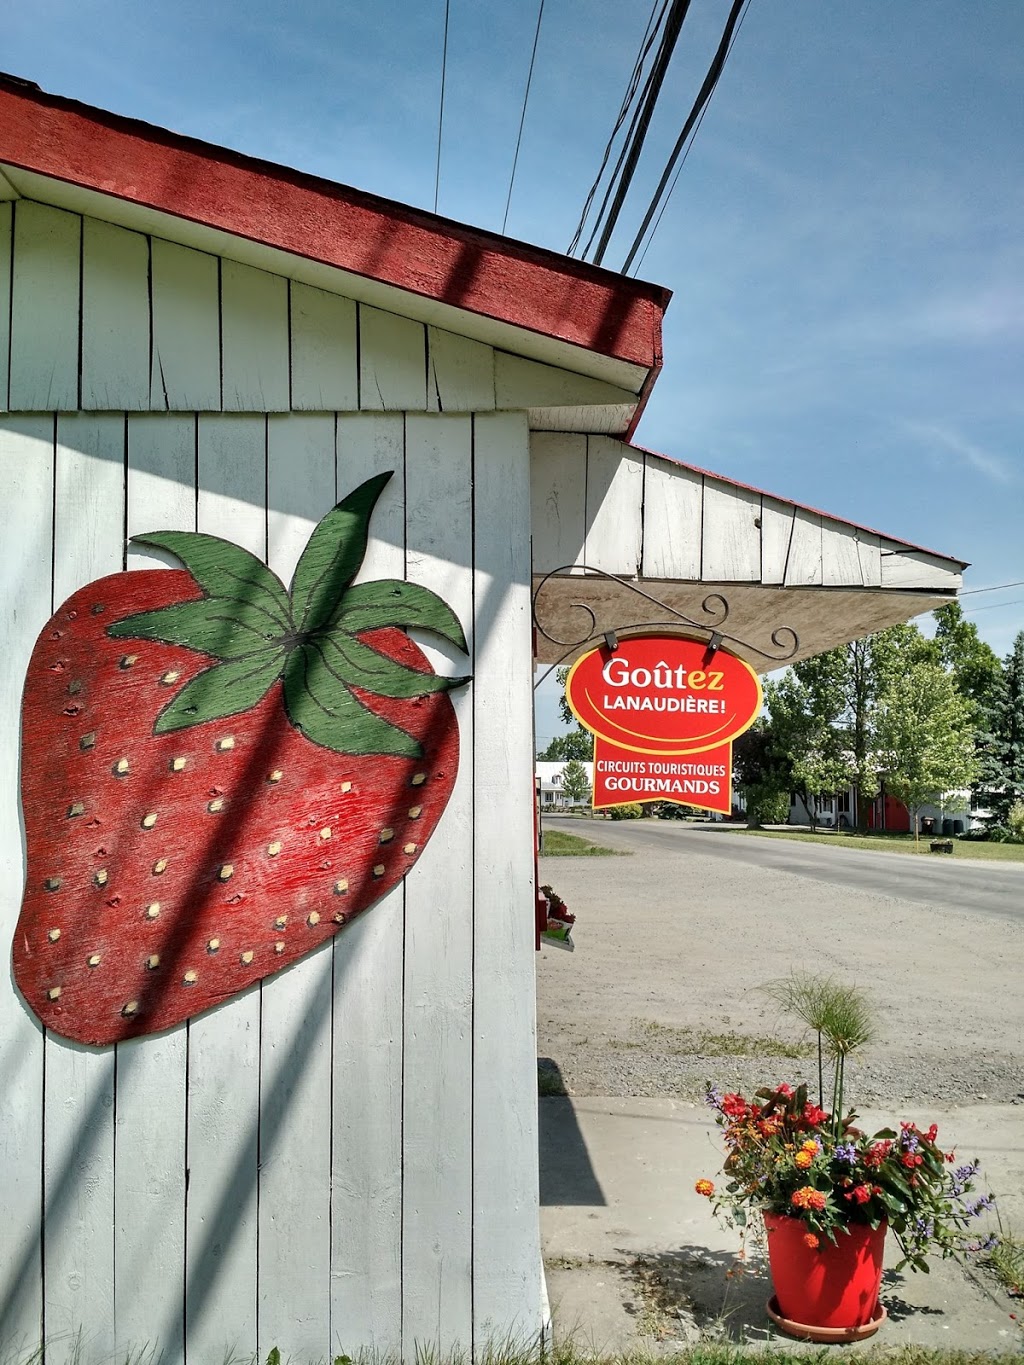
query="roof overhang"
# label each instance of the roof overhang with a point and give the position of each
(665, 545)
(515, 297)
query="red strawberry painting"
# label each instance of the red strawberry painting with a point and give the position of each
(219, 773)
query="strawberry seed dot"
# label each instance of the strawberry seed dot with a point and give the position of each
(217, 804)
(52, 883)
(378, 871)
(415, 812)
(313, 919)
(120, 768)
(168, 678)
(88, 741)
(152, 962)
(346, 786)
(386, 835)
(149, 820)
(225, 744)
(77, 809)
(177, 765)
(275, 776)
(325, 833)
(74, 687)
(246, 957)
(190, 978)
(159, 866)
(128, 661)
(274, 849)
(341, 887)
(153, 911)
(419, 779)
(53, 935)
(213, 946)
(281, 922)
(100, 877)
(409, 848)
(132, 1007)
(226, 871)
(53, 993)
(93, 960)
(279, 947)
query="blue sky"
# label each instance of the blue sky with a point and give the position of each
(845, 242)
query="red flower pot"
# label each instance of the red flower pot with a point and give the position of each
(832, 1287)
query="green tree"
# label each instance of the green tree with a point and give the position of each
(925, 737)
(974, 665)
(578, 744)
(1003, 761)
(763, 772)
(576, 782)
(806, 709)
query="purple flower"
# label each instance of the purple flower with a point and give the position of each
(845, 1151)
(974, 1207)
(924, 1227)
(908, 1140)
(713, 1096)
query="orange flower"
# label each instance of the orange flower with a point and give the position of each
(809, 1146)
(803, 1159)
(810, 1240)
(705, 1187)
(807, 1197)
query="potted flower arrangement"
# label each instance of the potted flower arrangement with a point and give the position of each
(828, 1192)
(558, 919)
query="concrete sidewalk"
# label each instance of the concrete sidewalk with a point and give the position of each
(635, 1259)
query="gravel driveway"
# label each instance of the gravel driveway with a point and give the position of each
(674, 943)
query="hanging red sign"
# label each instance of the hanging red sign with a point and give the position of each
(622, 776)
(664, 710)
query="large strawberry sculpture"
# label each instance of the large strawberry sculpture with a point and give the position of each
(217, 773)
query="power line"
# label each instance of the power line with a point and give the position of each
(998, 588)
(673, 25)
(646, 43)
(689, 148)
(705, 93)
(440, 116)
(994, 606)
(522, 117)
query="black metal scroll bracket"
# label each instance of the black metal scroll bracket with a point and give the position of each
(715, 608)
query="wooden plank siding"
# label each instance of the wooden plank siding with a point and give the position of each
(344, 1157)
(106, 318)
(637, 515)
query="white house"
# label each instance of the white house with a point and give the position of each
(550, 792)
(345, 1155)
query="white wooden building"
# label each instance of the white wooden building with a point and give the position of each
(346, 1156)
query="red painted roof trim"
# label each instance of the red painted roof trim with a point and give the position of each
(376, 238)
(803, 506)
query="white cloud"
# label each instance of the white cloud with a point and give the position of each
(995, 467)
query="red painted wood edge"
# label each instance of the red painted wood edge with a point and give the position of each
(376, 238)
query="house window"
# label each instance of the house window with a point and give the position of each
(844, 803)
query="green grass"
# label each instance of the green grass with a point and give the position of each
(686, 1042)
(560, 845)
(569, 1353)
(971, 849)
(1007, 1262)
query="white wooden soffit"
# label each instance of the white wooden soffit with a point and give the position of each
(618, 374)
(680, 533)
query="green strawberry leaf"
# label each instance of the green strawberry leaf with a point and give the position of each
(392, 602)
(327, 713)
(223, 569)
(358, 665)
(222, 690)
(333, 555)
(227, 628)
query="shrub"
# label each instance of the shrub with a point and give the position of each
(1015, 822)
(630, 812)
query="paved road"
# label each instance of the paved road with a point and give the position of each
(936, 880)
